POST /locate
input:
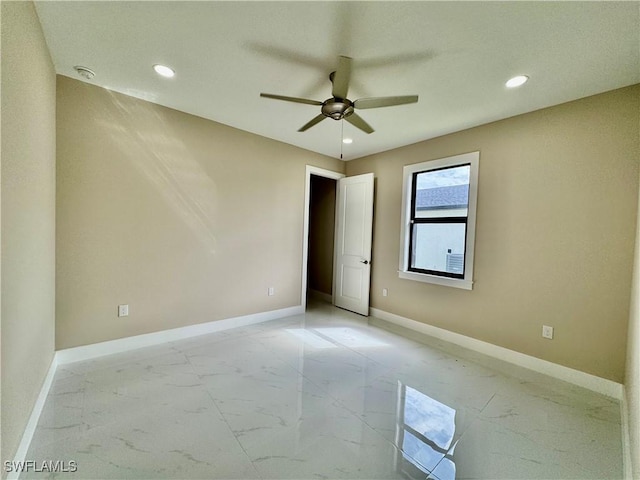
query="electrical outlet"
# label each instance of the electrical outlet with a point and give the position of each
(123, 310)
(272, 291)
(547, 332)
(385, 292)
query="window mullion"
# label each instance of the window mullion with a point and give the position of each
(439, 220)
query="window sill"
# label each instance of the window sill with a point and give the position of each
(447, 282)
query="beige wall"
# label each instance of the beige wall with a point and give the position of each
(555, 233)
(183, 219)
(27, 218)
(321, 233)
(632, 378)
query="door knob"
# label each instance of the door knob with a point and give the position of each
(366, 262)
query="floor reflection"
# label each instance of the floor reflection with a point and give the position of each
(424, 434)
(333, 337)
(289, 400)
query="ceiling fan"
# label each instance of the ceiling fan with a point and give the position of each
(339, 107)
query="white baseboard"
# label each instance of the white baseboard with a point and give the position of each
(325, 297)
(627, 467)
(582, 379)
(87, 352)
(29, 430)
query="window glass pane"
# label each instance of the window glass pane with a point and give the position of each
(442, 193)
(439, 247)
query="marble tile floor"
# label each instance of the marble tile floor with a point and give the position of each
(328, 394)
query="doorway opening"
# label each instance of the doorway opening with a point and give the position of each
(319, 234)
(322, 206)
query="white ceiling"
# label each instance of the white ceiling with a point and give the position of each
(455, 55)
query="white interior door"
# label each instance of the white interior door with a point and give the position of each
(354, 222)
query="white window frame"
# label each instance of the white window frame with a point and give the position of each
(472, 159)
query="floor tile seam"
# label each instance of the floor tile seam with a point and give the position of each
(386, 370)
(378, 434)
(464, 431)
(487, 403)
(41, 426)
(199, 375)
(139, 383)
(530, 433)
(338, 401)
(358, 352)
(84, 432)
(569, 401)
(61, 411)
(232, 432)
(55, 397)
(57, 382)
(38, 445)
(280, 355)
(213, 337)
(414, 460)
(115, 364)
(360, 419)
(114, 422)
(541, 445)
(581, 411)
(324, 389)
(254, 341)
(99, 457)
(432, 475)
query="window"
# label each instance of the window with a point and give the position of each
(438, 221)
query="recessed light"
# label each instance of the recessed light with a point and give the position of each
(347, 140)
(164, 70)
(516, 81)
(84, 72)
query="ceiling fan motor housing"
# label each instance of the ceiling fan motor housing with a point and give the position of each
(337, 109)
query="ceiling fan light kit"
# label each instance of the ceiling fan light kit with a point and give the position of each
(339, 107)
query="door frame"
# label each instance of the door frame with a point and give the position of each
(320, 172)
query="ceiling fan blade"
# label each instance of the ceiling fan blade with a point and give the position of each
(357, 121)
(312, 122)
(291, 99)
(341, 78)
(377, 102)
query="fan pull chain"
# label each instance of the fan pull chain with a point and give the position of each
(341, 136)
